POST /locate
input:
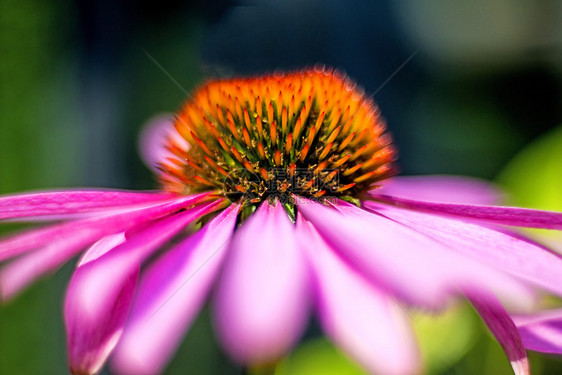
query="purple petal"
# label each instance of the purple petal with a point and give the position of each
(541, 332)
(513, 216)
(504, 330)
(170, 294)
(96, 291)
(61, 242)
(154, 137)
(92, 334)
(71, 202)
(261, 303)
(402, 261)
(442, 189)
(360, 319)
(519, 257)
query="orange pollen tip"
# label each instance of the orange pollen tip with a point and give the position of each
(247, 138)
(284, 119)
(304, 152)
(289, 144)
(278, 158)
(325, 152)
(237, 154)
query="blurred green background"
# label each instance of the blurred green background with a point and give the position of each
(464, 87)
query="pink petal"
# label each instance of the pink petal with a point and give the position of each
(442, 189)
(519, 257)
(96, 291)
(504, 330)
(541, 332)
(101, 247)
(22, 242)
(71, 202)
(360, 319)
(170, 294)
(61, 242)
(261, 303)
(91, 338)
(519, 217)
(155, 136)
(91, 335)
(402, 261)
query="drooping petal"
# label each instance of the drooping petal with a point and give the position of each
(402, 261)
(442, 189)
(71, 202)
(517, 256)
(170, 294)
(261, 303)
(503, 329)
(101, 274)
(61, 242)
(154, 137)
(360, 319)
(541, 332)
(513, 216)
(102, 288)
(92, 336)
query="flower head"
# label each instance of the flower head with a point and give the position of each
(276, 191)
(311, 133)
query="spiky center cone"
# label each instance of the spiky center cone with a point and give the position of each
(311, 133)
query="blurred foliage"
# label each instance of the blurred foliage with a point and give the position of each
(534, 176)
(445, 338)
(32, 337)
(459, 133)
(160, 78)
(318, 356)
(33, 111)
(31, 114)
(199, 353)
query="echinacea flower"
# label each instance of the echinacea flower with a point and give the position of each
(278, 199)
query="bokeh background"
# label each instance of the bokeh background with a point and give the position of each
(465, 87)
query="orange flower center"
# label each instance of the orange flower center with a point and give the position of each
(311, 133)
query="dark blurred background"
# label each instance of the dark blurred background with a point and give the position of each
(463, 86)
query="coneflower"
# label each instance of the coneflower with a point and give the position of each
(278, 197)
